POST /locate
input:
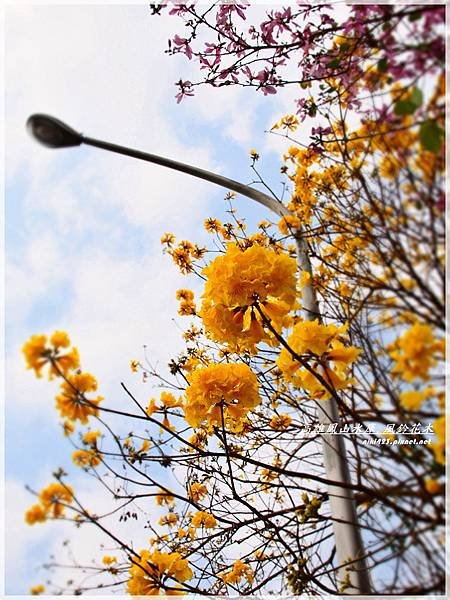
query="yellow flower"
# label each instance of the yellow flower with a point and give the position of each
(163, 497)
(280, 422)
(134, 364)
(149, 570)
(412, 399)
(145, 446)
(90, 437)
(325, 341)
(187, 309)
(432, 486)
(170, 519)
(229, 387)
(38, 353)
(438, 446)
(86, 458)
(109, 560)
(212, 225)
(184, 295)
(166, 400)
(152, 407)
(238, 571)
(197, 491)
(60, 339)
(203, 519)
(35, 514)
(52, 497)
(288, 223)
(36, 590)
(168, 239)
(239, 279)
(68, 427)
(71, 402)
(254, 154)
(415, 352)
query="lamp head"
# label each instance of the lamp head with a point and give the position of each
(52, 132)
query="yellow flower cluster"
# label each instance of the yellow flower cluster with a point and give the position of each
(229, 387)
(416, 352)
(197, 491)
(280, 422)
(187, 304)
(322, 341)
(288, 223)
(438, 446)
(166, 400)
(90, 437)
(154, 572)
(39, 351)
(164, 498)
(288, 122)
(72, 402)
(203, 519)
(238, 571)
(184, 253)
(170, 519)
(236, 282)
(86, 458)
(50, 503)
(37, 590)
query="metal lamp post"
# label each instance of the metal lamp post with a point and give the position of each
(53, 133)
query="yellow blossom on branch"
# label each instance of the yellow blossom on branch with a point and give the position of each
(288, 224)
(37, 590)
(280, 422)
(438, 446)
(203, 519)
(90, 437)
(51, 501)
(239, 279)
(432, 486)
(68, 427)
(197, 491)
(134, 365)
(311, 339)
(164, 497)
(415, 352)
(411, 399)
(35, 514)
(155, 571)
(86, 458)
(231, 388)
(71, 401)
(238, 571)
(38, 352)
(170, 519)
(166, 400)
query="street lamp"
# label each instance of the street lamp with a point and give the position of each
(53, 133)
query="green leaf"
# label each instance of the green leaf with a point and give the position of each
(409, 106)
(334, 63)
(382, 65)
(416, 97)
(414, 16)
(431, 136)
(404, 107)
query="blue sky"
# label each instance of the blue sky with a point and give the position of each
(83, 226)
